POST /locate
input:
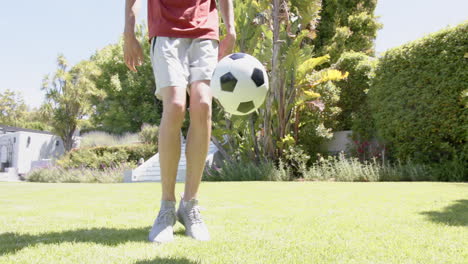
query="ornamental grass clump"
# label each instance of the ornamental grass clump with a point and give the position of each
(79, 175)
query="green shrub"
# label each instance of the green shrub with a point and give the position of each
(418, 98)
(149, 134)
(100, 138)
(353, 90)
(455, 170)
(135, 151)
(407, 171)
(341, 168)
(316, 124)
(241, 171)
(106, 156)
(81, 175)
(294, 161)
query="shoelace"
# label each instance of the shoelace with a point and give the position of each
(165, 216)
(194, 215)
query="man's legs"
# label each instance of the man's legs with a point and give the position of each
(198, 138)
(197, 147)
(169, 155)
(169, 138)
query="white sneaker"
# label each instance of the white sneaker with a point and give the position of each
(162, 230)
(188, 214)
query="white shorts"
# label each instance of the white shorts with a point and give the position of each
(182, 61)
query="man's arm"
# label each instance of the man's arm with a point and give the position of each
(133, 54)
(227, 12)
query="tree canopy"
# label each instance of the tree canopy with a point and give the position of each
(128, 100)
(68, 94)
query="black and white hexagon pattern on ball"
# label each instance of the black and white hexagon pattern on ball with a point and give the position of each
(237, 56)
(243, 70)
(257, 77)
(240, 83)
(228, 82)
(246, 107)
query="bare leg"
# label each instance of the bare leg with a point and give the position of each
(169, 138)
(198, 136)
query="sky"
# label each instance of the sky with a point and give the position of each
(33, 33)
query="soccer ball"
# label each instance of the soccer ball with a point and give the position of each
(240, 83)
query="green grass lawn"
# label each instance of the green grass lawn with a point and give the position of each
(250, 222)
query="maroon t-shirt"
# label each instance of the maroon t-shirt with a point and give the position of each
(183, 19)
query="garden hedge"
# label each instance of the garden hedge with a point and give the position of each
(107, 156)
(418, 98)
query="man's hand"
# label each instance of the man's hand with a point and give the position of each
(226, 46)
(133, 53)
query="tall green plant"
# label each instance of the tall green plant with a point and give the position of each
(293, 76)
(68, 94)
(279, 35)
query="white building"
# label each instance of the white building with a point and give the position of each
(21, 149)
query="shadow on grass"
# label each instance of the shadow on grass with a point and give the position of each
(179, 232)
(454, 215)
(12, 242)
(166, 260)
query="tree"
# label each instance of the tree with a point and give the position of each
(346, 26)
(294, 78)
(12, 108)
(38, 119)
(68, 95)
(129, 100)
(14, 112)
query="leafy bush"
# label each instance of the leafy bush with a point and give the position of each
(100, 138)
(455, 169)
(240, 171)
(106, 156)
(149, 134)
(295, 161)
(353, 90)
(317, 123)
(81, 175)
(419, 98)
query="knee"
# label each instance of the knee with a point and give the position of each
(175, 112)
(200, 112)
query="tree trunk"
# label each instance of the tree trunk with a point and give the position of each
(269, 137)
(254, 137)
(68, 140)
